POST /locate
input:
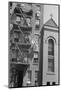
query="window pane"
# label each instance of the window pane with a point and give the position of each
(36, 83)
(28, 20)
(50, 53)
(35, 60)
(37, 22)
(29, 75)
(50, 47)
(36, 75)
(51, 65)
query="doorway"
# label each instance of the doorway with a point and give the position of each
(19, 78)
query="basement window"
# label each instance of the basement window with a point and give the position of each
(48, 83)
(53, 83)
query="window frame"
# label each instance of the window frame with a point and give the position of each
(29, 75)
(51, 57)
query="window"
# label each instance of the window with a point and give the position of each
(17, 19)
(51, 65)
(37, 24)
(48, 83)
(29, 75)
(16, 38)
(36, 83)
(37, 15)
(50, 47)
(10, 4)
(50, 55)
(53, 83)
(28, 20)
(35, 54)
(36, 75)
(35, 60)
(36, 57)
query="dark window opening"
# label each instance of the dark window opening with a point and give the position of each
(51, 65)
(37, 27)
(50, 47)
(36, 17)
(10, 4)
(15, 26)
(36, 83)
(29, 75)
(53, 83)
(14, 59)
(35, 60)
(37, 24)
(50, 55)
(18, 10)
(36, 75)
(48, 83)
(30, 13)
(16, 40)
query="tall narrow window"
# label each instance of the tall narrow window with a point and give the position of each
(29, 75)
(50, 55)
(35, 57)
(37, 26)
(36, 78)
(36, 75)
(50, 47)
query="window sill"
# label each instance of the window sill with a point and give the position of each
(35, 63)
(50, 73)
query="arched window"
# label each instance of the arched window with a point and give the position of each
(50, 47)
(50, 55)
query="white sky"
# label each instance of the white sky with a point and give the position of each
(50, 9)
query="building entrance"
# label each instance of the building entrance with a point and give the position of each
(19, 78)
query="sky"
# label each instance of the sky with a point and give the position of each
(48, 10)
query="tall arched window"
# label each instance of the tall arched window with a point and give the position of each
(50, 55)
(50, 47)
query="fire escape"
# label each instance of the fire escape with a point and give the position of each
(20, 45)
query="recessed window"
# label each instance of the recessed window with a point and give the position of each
(37, 15)
(35, 60)
(50, 55)
(48, 83)
(35, 57)
(35, 54)
(28, 20)
(17, 19)
(29, 75)
(16, 40)
(50, 47)
(10, 4)
(36, 83)
(16, 37)
(37, 27)
(37, 24)
(53, 83)
(51, 65)
(14, 59)
(36, 75)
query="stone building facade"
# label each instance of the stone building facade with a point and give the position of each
(49, 59)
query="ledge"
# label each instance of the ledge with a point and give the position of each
(50, 73)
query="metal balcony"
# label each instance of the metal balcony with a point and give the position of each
(24, 45)
(26, 29)
(15, 61)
